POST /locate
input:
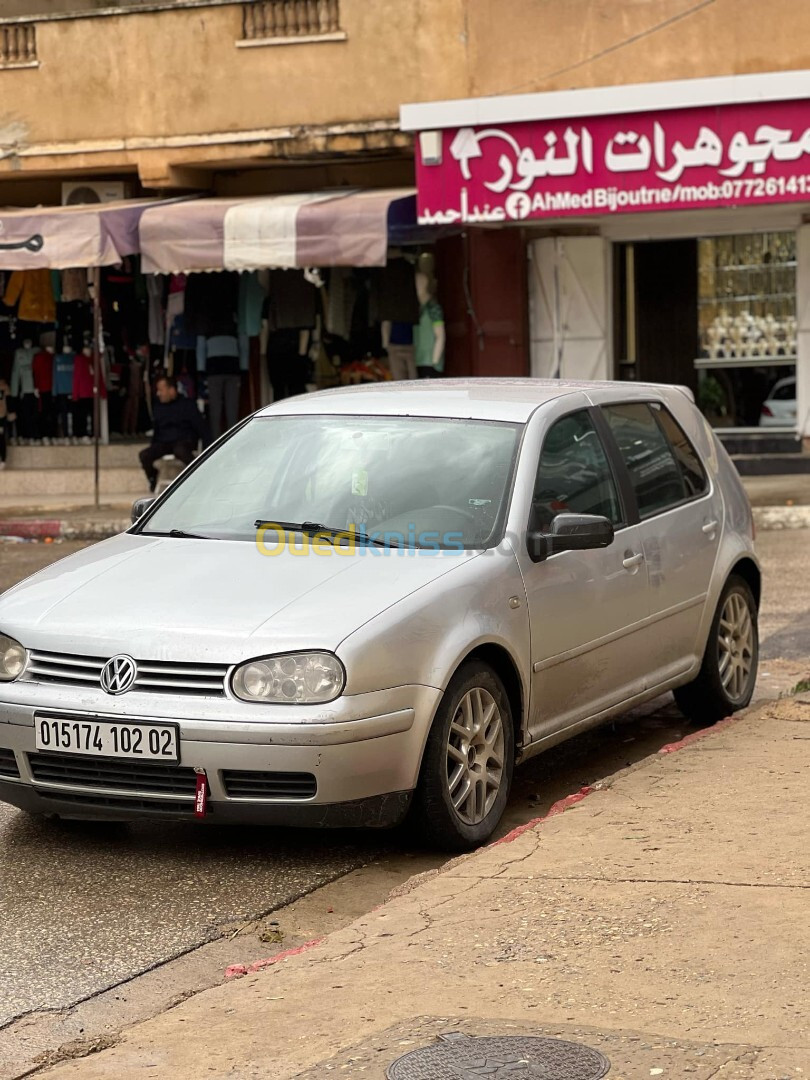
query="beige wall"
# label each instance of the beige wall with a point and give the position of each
(139, 81)
(520, 46)
(169, 97)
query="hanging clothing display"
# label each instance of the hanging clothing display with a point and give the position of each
(43, 382)
(342, 294)
(212, 301)
(223, 358)
(294, 303)
(31, 291)
(287, 364)
(63, 373)
(83, 381)
(251, 302)
(156, 314)
(74, 325)
(392, 293)
(74, 287)
(22, 373)
(63, 392)
(83, 378)
(424, 340)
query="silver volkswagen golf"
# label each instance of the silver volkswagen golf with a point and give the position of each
(370, 603)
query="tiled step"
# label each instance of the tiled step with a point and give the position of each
(26, 484)
(116, 455)
(771, 464)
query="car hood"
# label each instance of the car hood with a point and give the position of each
(215, 601)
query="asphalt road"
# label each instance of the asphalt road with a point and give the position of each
(84, 908)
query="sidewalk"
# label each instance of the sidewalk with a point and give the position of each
(663, 920)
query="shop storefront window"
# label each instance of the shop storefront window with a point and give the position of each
(747, 330)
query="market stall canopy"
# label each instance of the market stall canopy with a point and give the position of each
(70, 237)
(330, 228)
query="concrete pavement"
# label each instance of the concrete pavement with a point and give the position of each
(663, 919)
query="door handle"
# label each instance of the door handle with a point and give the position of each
(710, 527)
(630, 562)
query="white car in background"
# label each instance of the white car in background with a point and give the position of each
(779, 408)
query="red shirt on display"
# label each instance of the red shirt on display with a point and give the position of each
(43, 372)
(83, 378)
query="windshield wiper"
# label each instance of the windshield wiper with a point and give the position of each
(311, 528)
(179, 534)
(308, 528)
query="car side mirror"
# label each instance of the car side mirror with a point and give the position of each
(570, 532)
(140, 506)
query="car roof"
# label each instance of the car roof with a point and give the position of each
(480, 399)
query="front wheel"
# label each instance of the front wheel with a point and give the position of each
(725, 682)
(468, 763)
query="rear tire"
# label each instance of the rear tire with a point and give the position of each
(728, 674)
(468, 763)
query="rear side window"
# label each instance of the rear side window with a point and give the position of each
(658, 469)
(694, 475)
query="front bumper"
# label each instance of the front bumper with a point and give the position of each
(364, 753)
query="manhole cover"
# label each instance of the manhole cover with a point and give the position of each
(460, 1057)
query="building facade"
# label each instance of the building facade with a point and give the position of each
(272, 96)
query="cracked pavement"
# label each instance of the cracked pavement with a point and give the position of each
(664, 920)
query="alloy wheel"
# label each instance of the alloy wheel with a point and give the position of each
(735, 644)
(475, 756)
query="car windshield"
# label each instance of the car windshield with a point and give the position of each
(406, 481)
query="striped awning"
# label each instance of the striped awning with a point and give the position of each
(334, 228)
(70, 237)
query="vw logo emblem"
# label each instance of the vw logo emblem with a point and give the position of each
(118, 675)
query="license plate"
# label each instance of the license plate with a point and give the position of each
(101, 738)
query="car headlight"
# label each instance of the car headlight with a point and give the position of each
(12, 659)
(293, 679)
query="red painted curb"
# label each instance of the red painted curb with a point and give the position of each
(32, 529)
(672, 747)
(559, 807)
(237, 971)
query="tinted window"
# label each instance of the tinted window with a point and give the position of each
(694, 477)
(574, 474)
(656, 476)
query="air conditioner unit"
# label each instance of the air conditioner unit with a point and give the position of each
(79, 192)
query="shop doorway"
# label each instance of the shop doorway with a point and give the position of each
(656, 311)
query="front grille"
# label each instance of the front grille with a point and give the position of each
(269, 785)
(8, 763)
(154, 676)
(113, 775)
(101, 802)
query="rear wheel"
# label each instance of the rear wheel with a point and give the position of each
(728, 673)
(468, 763)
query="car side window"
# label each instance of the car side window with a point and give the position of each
(574, 474)
(694, 475)
(654, 472)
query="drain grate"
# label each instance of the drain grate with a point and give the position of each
(460, 1057)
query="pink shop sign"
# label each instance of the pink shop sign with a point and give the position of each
(681, 159)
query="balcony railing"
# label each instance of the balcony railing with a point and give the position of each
(18, 45)
(264, 20)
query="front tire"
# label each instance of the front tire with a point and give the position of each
(468, 762)
(725, 683)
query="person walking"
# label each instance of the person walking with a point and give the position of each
(179, 427)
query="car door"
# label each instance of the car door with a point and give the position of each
(587, 608)
(681, 516)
